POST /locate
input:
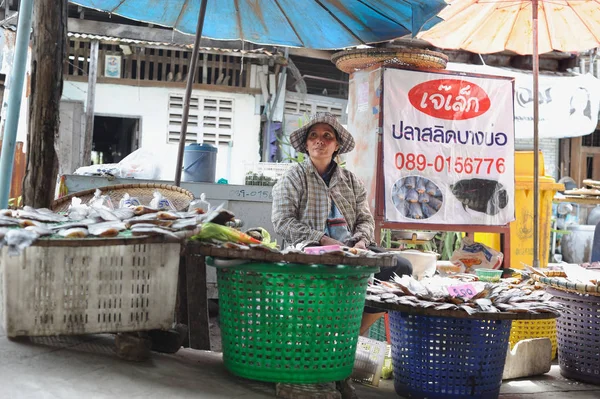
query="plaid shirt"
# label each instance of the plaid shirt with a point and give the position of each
(302, 201)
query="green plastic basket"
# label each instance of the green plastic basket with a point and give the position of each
(291, 323)
(377, 330)
(489, 275)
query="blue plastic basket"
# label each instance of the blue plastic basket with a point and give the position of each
(444, 357)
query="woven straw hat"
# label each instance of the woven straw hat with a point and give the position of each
(345, 139)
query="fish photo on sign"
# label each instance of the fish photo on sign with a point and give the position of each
(484, 196)
(416, 197)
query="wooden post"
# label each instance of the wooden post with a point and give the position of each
(49, 51)
(90, 103)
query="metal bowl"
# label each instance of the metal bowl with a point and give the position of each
(413, 235)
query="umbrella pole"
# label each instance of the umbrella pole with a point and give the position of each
(536, 180)
(188, 92)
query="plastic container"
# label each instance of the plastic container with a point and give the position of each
(489, 275)
(291, 323)
(528, 329)
(578, 334)
(447, 358)
(199, 163)
(368, 363)
(85, 289)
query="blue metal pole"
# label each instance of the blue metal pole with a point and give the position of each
(17, 78)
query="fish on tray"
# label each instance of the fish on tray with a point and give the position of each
(45, 217)
(6, 212)
(140, 230)
(75, 232)
(40, 230)
(481, 195)
(106, 229)
(168, 215)
(185, 224)
(143, 210)
(17, 240)
(6, 221)
(155, 222)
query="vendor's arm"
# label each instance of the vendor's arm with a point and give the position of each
(287, 194)
(364, 227)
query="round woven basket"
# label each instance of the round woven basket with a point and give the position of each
(144, 192)
(354, 60)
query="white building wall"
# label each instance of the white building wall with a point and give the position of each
(150, 105)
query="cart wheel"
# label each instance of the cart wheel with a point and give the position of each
(169, 341)
(133, 347)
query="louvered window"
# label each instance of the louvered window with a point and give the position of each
(217, 120)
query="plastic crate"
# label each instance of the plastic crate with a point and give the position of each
(445, 357)
(377, 330)
(76, 290)
(291, 323)
(368, 363)
(527, 329)
(578, 334)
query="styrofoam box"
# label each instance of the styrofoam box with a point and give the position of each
(368, 362)
(89, 289)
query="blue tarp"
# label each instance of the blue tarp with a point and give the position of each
(319, 24)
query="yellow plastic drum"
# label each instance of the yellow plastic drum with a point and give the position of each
(527, 329)
(521, 230)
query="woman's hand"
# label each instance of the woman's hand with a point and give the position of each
(360, 245)
(326, 240)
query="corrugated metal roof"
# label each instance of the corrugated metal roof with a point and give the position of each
(261, 52)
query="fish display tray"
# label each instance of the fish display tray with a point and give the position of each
(443, 357)
(291, 323)
(80, 287)
(578, 333)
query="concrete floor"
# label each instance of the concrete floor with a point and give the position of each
(87, 367)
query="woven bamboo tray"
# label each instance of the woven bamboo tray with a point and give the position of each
(179, 197)
(563, 284)
(354, 60)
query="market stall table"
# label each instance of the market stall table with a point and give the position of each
(449, 354)
(193, 301)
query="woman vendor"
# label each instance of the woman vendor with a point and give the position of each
(317, 202)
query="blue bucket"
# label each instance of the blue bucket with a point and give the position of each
(199, 163)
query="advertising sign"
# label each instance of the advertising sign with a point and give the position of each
(448, 148)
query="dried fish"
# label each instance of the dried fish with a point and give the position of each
(412, 196)
(185, 224)
(155, 222)
(435, 203)
(147, 231)
(415, 211)
(76, 232)
(25, 223)
(430, 188)
(40, 230)
(143, 210)
(40, 216)
(17, 240)
(6, 212)
(106, 229)
(166, 215)
(410, 182)
(423, 198)
(103, 214)
(124, 213)
(420, 185)
(8, 222)
(427, 210)
(80, 223)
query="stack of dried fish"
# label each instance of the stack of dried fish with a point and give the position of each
(433, 293)
(21, 228)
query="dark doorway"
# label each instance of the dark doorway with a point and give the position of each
(114, 138)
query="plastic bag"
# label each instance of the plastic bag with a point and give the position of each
(212, 231)
(107, 169)
(200, 205)
(129, 202)
(101, 201)
(473, 255)
(161, 202)
(140, 164)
